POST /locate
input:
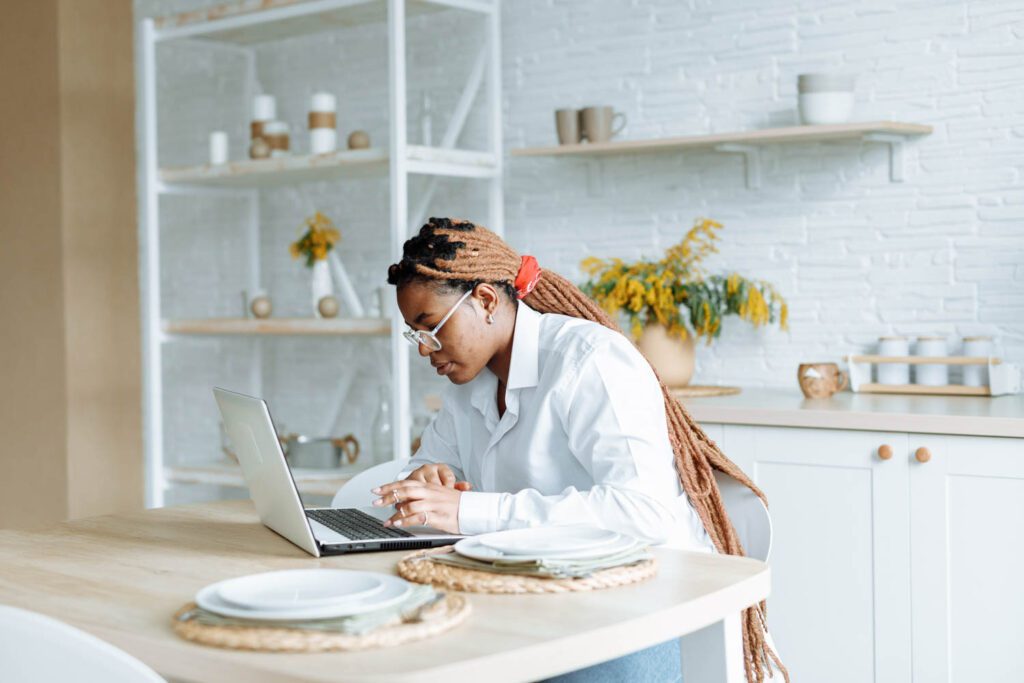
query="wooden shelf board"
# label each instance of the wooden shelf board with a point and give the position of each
(309, 481)
(249, 22)
(281, 326)
(947, 389)
(281, 170)
(764, 136)
(926, 360)
(360, 163)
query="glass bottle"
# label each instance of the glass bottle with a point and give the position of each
(382, 440)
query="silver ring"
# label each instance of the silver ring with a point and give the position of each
(425, 520)
(397, 499)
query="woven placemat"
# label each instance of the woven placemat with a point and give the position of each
(445, 615)
(417, 567)
(698, 391)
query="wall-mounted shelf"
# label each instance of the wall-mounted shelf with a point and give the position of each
(309, 481)
(281, 326)
(748, 143)
(290, 170)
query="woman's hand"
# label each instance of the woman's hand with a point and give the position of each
(438, 473)
(424, 503)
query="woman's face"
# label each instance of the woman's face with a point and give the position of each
(467, 342)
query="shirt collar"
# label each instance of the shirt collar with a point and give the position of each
(522, 371)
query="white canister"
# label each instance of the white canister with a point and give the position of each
(323, 140)
(928, 374)
(978, 347)
(825, 98)
(893, 373)
(264, 108)
(218, 148)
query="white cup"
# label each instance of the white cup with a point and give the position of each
(931, 375)
(893, 373)
(976, 375)
(218, 147)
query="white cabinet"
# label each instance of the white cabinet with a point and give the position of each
(891, 569)
(967, 558)
(840, 604)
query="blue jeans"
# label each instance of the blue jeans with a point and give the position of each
(658, 664)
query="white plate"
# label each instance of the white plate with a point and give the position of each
(546, 540)
(395, 590)
(299, 588)
(471, 547)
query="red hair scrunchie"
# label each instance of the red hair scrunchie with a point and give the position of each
(526, 278)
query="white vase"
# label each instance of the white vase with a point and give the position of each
(322, 284)
(671, 356)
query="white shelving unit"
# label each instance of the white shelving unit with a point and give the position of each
(243, 24)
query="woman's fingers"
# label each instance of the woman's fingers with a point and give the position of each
(447, 477)
(463, 486)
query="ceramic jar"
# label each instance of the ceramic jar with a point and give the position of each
(931, 375)
(893, 373)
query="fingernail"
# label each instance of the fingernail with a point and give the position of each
(376, 490)
(398, 523)
(378, 502)
(387, 522)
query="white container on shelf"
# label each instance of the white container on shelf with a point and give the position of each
(825, 98)
(322, 140)
(893, 373)
(976, 375)
(218, 148)
(932, 375)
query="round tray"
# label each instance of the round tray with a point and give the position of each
(445, 615)
(417, 567)
(698, 391)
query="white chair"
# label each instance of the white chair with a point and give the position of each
(355, 493)
(35, 647)
(715, 653)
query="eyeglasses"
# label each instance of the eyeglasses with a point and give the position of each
(429, 338)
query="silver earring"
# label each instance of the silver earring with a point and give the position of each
(490, 318)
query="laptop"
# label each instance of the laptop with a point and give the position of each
(318, 531)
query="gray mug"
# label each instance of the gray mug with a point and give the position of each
(598, 123)
(567, 123)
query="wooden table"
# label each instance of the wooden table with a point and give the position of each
(121, 577)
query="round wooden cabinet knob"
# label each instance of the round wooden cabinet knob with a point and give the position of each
(885, 451)
(922, 454)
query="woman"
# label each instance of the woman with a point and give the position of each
(553, 417)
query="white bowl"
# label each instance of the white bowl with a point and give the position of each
(825, 107)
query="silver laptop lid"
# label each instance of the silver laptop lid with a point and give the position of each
(273, 491)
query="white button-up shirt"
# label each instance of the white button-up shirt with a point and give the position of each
(584, 438)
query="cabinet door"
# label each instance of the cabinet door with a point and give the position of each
(839, 610)
(967, 558)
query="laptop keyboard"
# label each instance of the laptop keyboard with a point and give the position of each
(355, 524)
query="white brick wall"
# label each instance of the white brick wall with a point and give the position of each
(856, 255)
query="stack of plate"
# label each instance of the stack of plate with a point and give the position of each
(304, 594)
(568, 551)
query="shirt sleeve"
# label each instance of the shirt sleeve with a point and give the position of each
(437, 445)
(614, 416)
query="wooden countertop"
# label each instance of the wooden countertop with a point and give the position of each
(121, 577)
(968, 415)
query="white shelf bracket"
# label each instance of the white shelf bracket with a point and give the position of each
(751, 161)
(895, 143)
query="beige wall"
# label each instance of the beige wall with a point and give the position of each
(70, 415)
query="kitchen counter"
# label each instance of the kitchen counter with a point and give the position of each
(968, 415)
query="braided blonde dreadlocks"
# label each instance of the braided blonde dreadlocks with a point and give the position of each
(458, 255)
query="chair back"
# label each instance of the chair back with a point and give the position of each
(35, 647)
(749, 517)
(355, 493)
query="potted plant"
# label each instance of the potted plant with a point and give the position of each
(317, 240)
(671, 302)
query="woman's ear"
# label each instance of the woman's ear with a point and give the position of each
(487, 296)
